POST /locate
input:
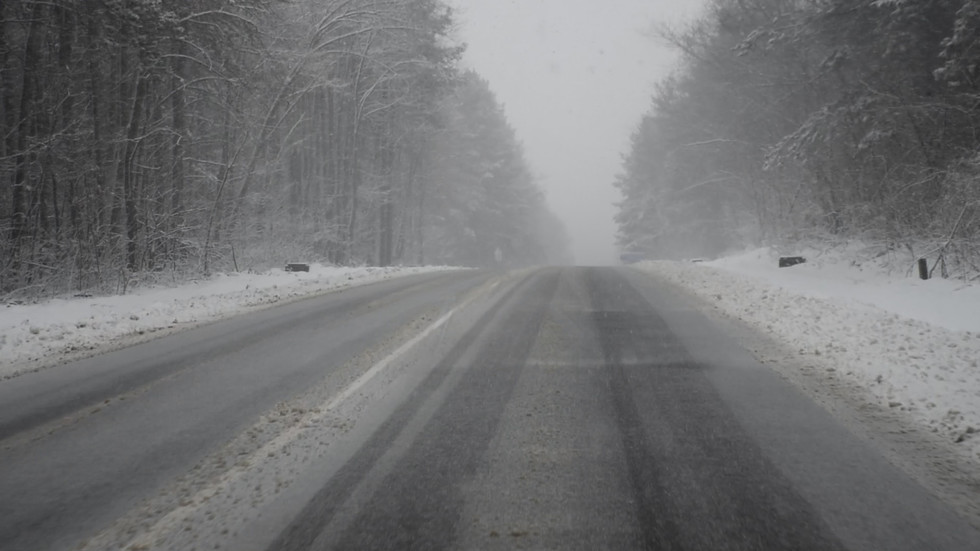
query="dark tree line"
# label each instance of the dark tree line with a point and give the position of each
(803, 119)
(165, 136)
(483, 197)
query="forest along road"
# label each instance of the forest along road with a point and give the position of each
(557, 408)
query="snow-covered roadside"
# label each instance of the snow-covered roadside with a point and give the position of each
(38, 335)
(911, 345)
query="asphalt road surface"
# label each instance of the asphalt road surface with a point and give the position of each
(557, 408)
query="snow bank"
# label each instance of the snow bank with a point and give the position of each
(912, 345)
(38, 335)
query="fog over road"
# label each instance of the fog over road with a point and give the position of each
(556, 408)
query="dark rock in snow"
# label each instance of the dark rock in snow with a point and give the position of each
(787, 261)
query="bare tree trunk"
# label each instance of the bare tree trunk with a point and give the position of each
(354, 174)
(6, 89)
(178, 135)
(66, 41)
(129, 171)
(334, 175)
(386, 218)
(22, 157)
(98, 134)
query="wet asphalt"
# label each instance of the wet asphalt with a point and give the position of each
(583, 408)
(598, 411)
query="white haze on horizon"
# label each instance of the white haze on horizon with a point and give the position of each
(575, 77)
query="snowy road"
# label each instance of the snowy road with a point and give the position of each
(551, 409)
(84, 443)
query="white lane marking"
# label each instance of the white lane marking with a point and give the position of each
(600, 363)
(203, 496)
(370, 373)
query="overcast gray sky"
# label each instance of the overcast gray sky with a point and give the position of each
(575, 76)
